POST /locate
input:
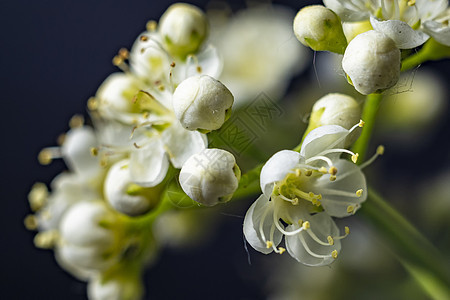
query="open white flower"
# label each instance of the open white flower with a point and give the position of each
(301, 193)
(408, 22)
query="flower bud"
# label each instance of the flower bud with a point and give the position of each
(320, 29)
(124, 195)
(335, 109)
(87, 238)
(183, 27)
(372, 62)
(202, 103)
(124, 286)
(210, 177)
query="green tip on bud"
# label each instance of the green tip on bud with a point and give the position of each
(320, 29)
(184, 28)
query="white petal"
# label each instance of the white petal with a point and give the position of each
(430, 9)
(400, 32)
(182, 144)
(209, 61)
(76, 151)
(84, 257)
(438, 31)
(323, 138)
(352, 180)
(348, 11)
(323, 226)
(149, 164)
(262, 207)
(276, 168)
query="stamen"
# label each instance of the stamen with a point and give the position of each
(355, 157)
(359, 192)
(76, 121)
(269, 244)
(380, 151)
(342, 138)
(281, 250)
(263, 218)
(151, 25)
(94, 151)
(123, 53)
(333, 178)
(293, 201)
(31, 222)
(323, 158)
(333, 170)
(38, 196)
(347, 232)
(61, 139)
(330, 240)
(339, 193)
(334, 254)
(316, 238)
(46, 239)
(323, 170)
(306, 225)
(302, 240)
(92, 103)
(350, 209)
(47, 155)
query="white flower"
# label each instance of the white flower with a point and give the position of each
(88, 239)
(372, 61)
(408, 22)
(202, 102)
(301, 192)
(126, 196)
(320, 29)
(122, 286)
(210, 177)
(183, 28)
(258, 52)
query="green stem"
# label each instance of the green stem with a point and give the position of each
(415, 252)
(431, 50)
(368, 116)
(249, 183)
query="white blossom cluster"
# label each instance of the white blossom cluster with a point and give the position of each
(149, 121)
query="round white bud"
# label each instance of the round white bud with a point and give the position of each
(124, 195)
(86, 242)
(183, 27)
(372, 62)
(320, 29)
(117, 287)
(210, 177)
(202, 103)
(335, 109)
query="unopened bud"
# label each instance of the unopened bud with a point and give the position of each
(372, 62)
(320, 29)
(335, 109)
(124, 195)
(202, 103)
(183, 27)
(210, 177)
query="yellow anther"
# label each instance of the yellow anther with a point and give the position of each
(281, 250)
(319, 196)
(199, 69)
(361, 123)
(330, 240)
(347, 230)
(31, 222)
(411, 2)
(172, 64)
(359, 192)
(94, 151)
(117, 60)
(61, 138)
(298, 172)
(350, 209)
(380, 150)
(311, 194)
(295, 201)
(123, 53)
(38, 196)
(161, 87)
(143, 38)
(92, 103)
(333, 170)
(308, 173)
(151, 25)
(46, 239)
(323, 170)
(355, 157)
(306, 225)
(269, 244)
(332, 177)
(334, 254)
(45, 157)
(76, 121)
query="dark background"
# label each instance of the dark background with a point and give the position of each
(54, 54)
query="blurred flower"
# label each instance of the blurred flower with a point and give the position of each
(260, 52)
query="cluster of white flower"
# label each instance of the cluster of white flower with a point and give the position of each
(150, 133)
(149, 121)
